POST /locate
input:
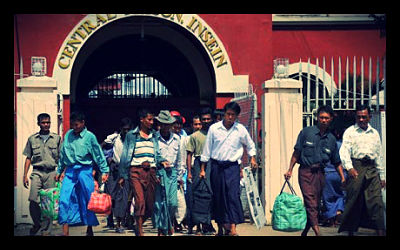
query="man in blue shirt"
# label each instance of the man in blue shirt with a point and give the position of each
(79, 152)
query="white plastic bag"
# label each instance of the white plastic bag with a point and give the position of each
(181, 211)
(132, 208)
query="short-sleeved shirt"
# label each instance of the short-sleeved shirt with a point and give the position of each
(227, 145)
(196, 143)
(314, 148)
(43, 153)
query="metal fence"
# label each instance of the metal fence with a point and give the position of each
(129, 85)
(341, 83)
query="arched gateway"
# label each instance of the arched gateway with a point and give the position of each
(138, 53)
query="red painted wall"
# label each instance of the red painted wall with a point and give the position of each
(42, 35)
(304, 44)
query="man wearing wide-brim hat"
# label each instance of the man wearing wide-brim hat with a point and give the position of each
(166, 202)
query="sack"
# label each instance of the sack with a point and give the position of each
(288, 214)
(49, 201)
(181, 211)
(100, 203)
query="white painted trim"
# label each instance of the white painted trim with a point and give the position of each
(329, 82)
(226, 82)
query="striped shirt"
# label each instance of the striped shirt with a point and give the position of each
(144, 151)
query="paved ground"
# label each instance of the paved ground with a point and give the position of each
(245, 229)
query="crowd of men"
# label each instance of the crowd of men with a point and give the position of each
(145, 168)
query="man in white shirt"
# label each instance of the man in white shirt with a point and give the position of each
(224, 147)
(361, 156)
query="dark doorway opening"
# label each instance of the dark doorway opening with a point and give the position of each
(120, 67)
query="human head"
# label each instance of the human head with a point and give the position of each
(175, 113)
(77, 120)
(146, 118)
(165, 120)
(231, 112)
(363, 116)
(177, 125)
(125, 125)
(196, 124)
(217, 115)
(324, 116)
(43, 120)
(206, 118)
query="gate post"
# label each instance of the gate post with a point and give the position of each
(37, 95)
(282, 110)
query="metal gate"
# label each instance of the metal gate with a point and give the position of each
(349, 83)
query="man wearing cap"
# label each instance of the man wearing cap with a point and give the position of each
(166, 202)
(138, 162)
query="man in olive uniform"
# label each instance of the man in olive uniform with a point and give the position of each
(314, 148)
(42, 152)
(361, 154)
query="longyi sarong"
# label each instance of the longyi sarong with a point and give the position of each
(76, 188)
(364, 205)
(225, 184)
(311, 181)
(166, 199)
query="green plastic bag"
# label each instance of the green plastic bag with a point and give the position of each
(49, 201)
(288, 214)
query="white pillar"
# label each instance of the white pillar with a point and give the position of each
(37, 95)
(282, 110)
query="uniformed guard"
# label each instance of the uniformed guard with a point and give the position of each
(315, 147)
(42, 152)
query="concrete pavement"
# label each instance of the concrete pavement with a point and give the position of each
(245, 229)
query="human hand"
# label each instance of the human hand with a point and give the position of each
(26, 181)
(287, 175)
(59, 177)
(202, 174)
(121, 181)
(189, 176)
(253, 163)
(353, 173)
(104, 177)
(166, 164)
(383, 184)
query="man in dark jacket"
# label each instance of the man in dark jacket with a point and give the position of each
(315, 147)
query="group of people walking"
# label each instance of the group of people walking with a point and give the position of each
(149, 164)
(360, 154)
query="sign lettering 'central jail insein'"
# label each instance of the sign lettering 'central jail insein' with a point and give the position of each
(192, 24)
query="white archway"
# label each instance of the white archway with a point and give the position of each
(226, 82)
(322, 75)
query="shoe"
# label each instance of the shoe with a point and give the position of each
(45, 233)
(33, 231)
(89, 233)
(120, 230)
